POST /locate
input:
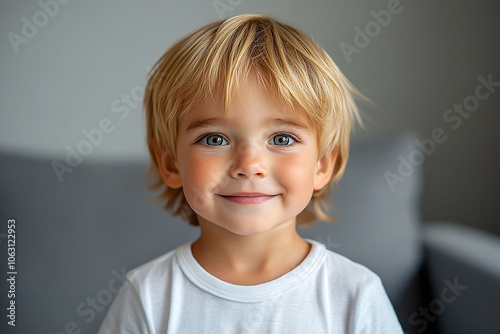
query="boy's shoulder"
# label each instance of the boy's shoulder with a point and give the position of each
(348, 273)
(158, 267)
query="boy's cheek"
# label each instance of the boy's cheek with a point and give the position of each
(198, 183)
(296, 172)
(195, 198)
(299, 164)
(201, 172)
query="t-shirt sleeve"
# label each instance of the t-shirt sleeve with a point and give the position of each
(374, 313)
(126, 315)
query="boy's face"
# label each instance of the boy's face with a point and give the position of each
(249, 170)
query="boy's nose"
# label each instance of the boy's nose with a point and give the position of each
(248, 163)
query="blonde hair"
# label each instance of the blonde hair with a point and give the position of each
(214, 59)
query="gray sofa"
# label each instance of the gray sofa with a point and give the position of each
(77, 238)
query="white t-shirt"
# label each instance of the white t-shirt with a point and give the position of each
(325, 293)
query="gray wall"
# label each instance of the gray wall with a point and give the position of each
(76, 69)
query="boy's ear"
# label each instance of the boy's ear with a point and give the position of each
(168, 167)
(324, 169)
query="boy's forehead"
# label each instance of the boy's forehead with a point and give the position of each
(212, 112)
(250, 100)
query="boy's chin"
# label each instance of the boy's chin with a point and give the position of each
(249, 227)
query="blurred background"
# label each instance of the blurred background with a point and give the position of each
(72, 76)
(65, 69)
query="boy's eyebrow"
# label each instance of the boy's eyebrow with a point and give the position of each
(280, 121)
(272, 121)
(204, 123)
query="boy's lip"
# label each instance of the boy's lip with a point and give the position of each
(247, 198)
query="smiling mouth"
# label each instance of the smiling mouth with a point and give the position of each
(248, 198)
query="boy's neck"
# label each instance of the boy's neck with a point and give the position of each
(249, 260)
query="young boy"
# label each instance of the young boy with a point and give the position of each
(248, 126)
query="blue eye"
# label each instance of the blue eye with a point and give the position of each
(213, 140)
(283, 140)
